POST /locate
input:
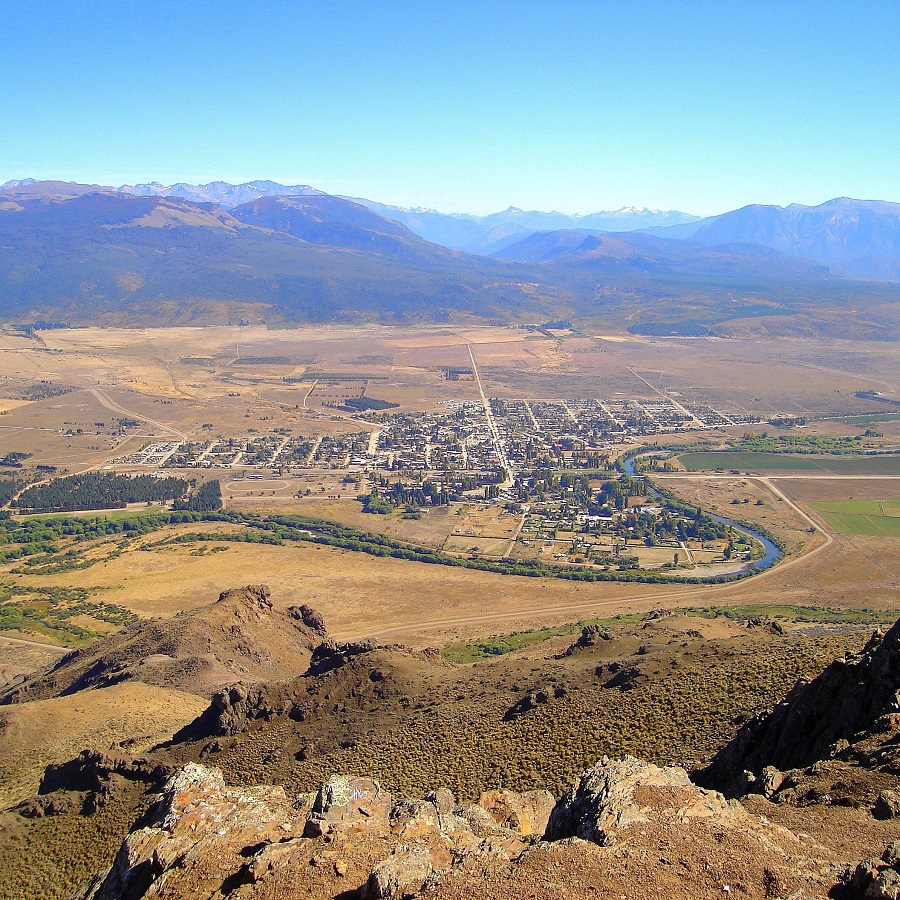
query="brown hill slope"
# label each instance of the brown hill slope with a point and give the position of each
(331, 222)
(855, 700)
(239, 637)
(44, 731)
(668, 688)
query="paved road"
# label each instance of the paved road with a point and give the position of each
(492, 425)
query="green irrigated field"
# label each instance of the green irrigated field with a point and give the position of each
(745, 461)
(880, 518)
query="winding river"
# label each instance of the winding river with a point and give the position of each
(772, 553)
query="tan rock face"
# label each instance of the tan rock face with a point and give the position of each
(200, 819)
(614, 795)
(526, 813)
(350, 804)
(209, 839)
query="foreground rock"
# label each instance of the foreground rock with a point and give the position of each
(876, 878)
(637, 829)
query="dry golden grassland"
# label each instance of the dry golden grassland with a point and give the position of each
(43, 731)
(183, 378)
(18, 659)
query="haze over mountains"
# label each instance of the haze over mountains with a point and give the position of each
(855, 238)
(858, 238)
(491, 233)
(151, 254)
(458, 231)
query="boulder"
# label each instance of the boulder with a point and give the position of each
(875, 879)
(332, 655)
(532, 700)
(309, 617)
(590, 636)
(605, 801)
(400, 876)
(887, 806)
(526, 813)
(348, 804)
(769, 781)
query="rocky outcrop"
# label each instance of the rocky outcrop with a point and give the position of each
(350, 835)
(196, 815)
(241, 636)
(234, 709)
(526, 813)
(310, 618)
(351, 803)
(875, 879)
(91, 770)
(850, 700)
(591, 636)
(353, 839)
(330, 655)
(362, 674)
(89, 782)
(605, 801)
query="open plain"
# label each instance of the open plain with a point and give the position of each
(92, 399)
(487, 448)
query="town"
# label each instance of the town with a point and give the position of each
(469, 437)
(546, 473)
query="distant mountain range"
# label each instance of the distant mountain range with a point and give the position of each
(488, 234)
(220, 191)
(635, 252)
(458, 231)
(83, 253)
(89, 254)
(857, 238)
(854, 238)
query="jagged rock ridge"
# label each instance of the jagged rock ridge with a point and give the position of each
(852, 698)
(353, 839)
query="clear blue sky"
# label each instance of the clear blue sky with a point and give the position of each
(698, 106)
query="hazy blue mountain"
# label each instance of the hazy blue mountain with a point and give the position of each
(88, 255)
(333, 222)
(454, 230)
(487, 234)
(101, 256)
(857, 238)
(854, 238)
(30, 189)
(633, 252)
(458, 231)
